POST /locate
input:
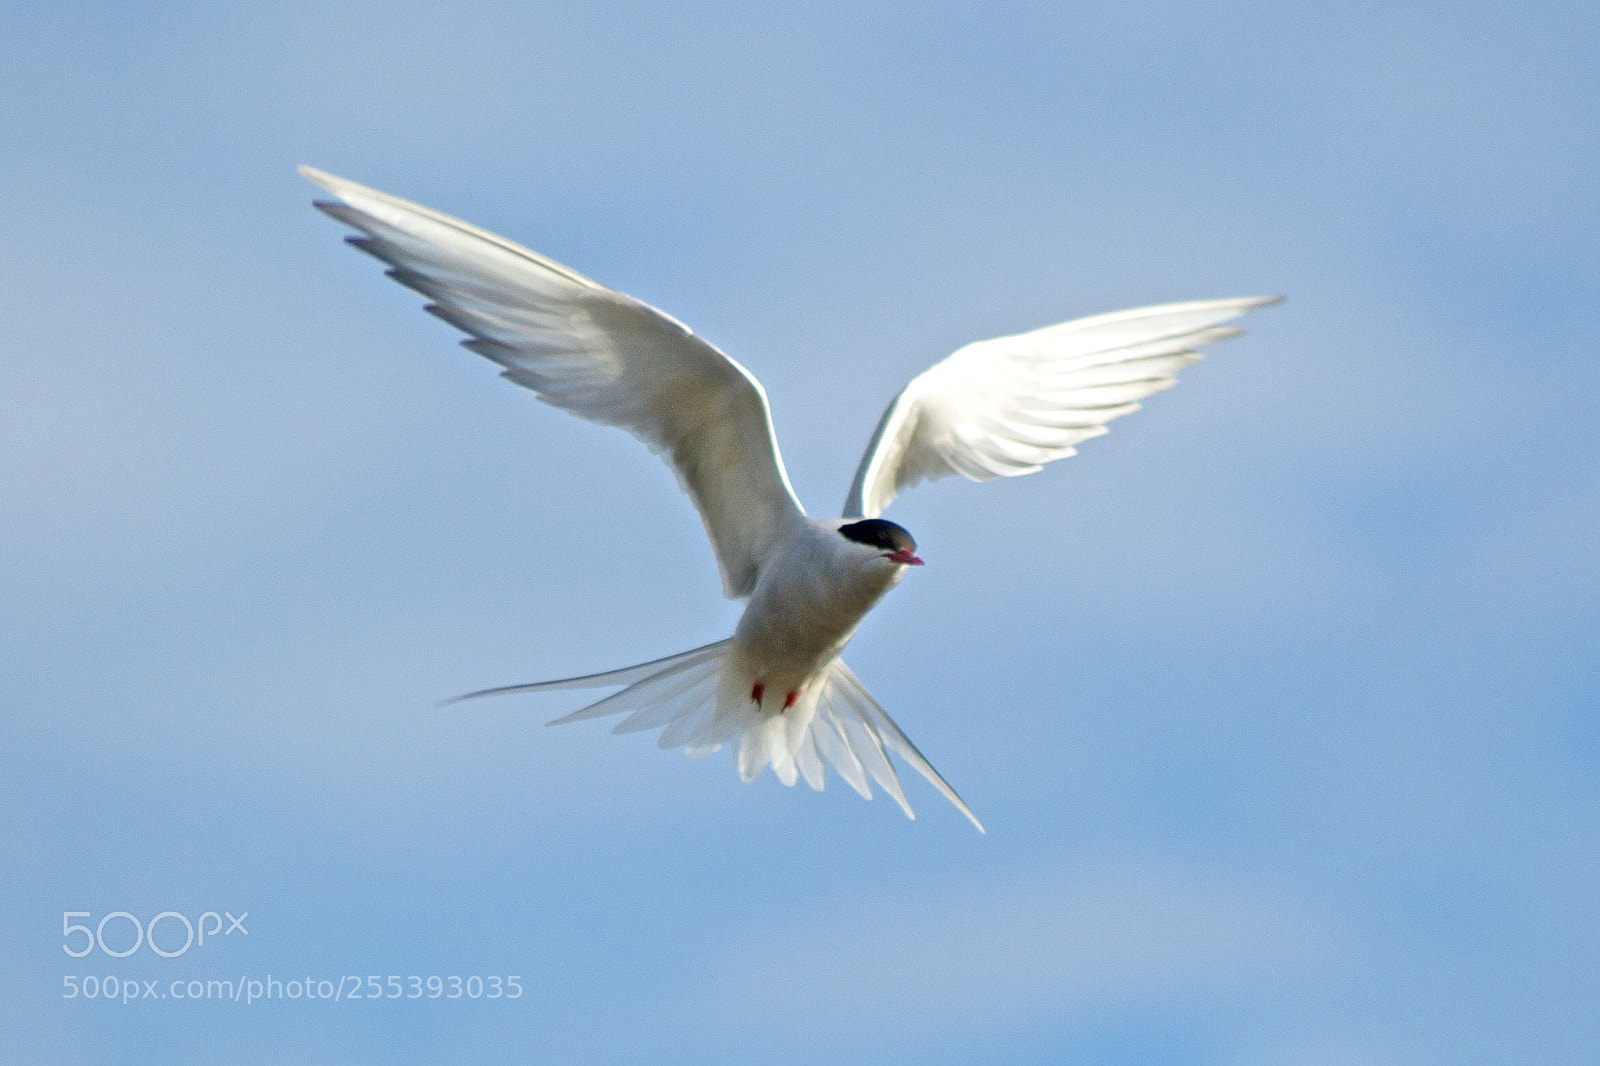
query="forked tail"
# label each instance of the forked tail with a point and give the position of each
(700, 702)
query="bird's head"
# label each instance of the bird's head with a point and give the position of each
(888, 540)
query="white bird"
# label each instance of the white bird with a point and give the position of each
(776, 691)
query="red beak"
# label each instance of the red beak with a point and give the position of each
(905, 558)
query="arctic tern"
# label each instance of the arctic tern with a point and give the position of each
(776, 691)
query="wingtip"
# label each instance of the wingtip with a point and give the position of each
(316, 177)
(340, 187)
(334, 209)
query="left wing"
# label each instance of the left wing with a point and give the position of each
(599, 354)
(1007, 406)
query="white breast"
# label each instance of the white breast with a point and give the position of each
(808, 603)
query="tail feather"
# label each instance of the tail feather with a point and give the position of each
(901, 744)
(673, 705)
(643, 697)
(809, 760)
(699, 701)
(711, 732)
(628, 675)
(835, 748)
(864, 743)
(697, 709)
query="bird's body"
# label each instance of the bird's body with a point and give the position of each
(807, 605)
(776, 691)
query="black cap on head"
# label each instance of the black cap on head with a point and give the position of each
(879, 533)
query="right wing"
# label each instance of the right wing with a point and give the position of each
(599, 354)
(1007, 406)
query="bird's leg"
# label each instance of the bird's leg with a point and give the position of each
(759, 689)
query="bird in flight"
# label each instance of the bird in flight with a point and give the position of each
(776, 692)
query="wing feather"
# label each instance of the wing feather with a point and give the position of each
(599, 354)
(1004, 407)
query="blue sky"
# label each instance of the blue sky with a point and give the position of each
(1279, 702)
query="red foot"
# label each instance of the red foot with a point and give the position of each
(756, 690)
(788, 701)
